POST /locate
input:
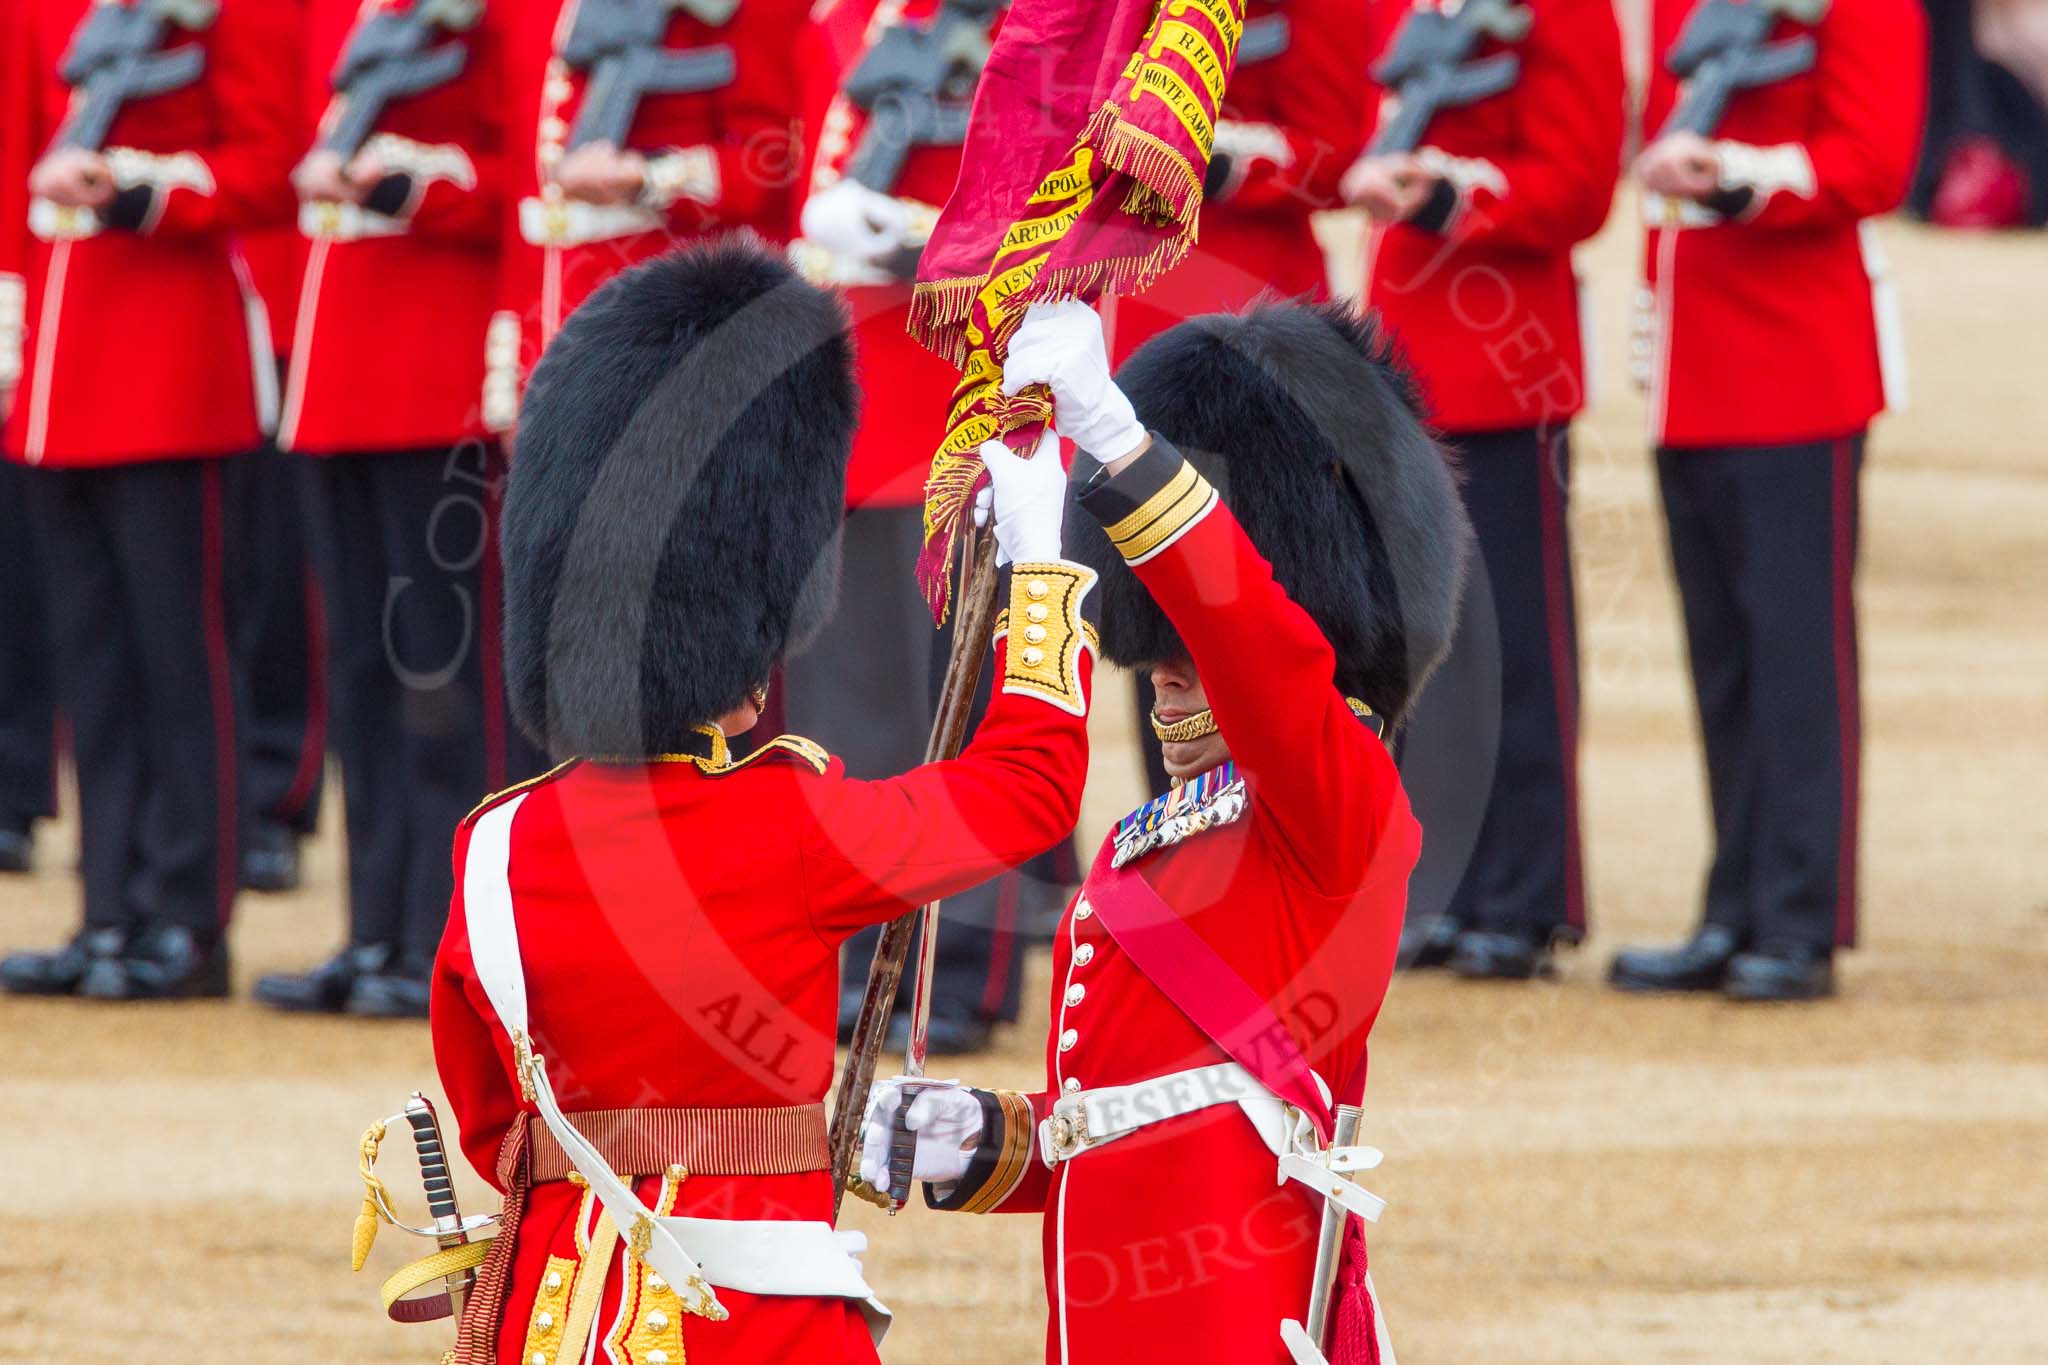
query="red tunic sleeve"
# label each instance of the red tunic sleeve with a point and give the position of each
(253, 81)
(1323, 780)
(879, 849)
(1310, 105)
(1871, 99)
(1557, 179)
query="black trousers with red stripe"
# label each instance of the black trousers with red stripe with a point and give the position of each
(139, 631)
(866, 690)
(406, 548)
(1490, 754)
(1763, 542)
(27, 709)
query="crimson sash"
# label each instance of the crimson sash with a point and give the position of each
(1201, 985)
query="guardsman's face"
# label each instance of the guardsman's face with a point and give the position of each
(1180, 695)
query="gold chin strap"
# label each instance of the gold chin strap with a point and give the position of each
(1185, 730)
(759, 696)
(1203, 723)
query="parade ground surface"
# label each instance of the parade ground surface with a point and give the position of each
(1574, 1176)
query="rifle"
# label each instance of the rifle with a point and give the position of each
(618, 44)
(1721, 51)
(114, 57)
(389, 56)
(917, 83)
(1430, 69)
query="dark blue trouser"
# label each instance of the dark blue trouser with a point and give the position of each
(27, 709)
(1763, 542)
(1490, 752)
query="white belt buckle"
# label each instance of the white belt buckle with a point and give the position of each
(1063, 1135)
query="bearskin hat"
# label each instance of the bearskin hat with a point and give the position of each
(672, 521)
(1312, 431)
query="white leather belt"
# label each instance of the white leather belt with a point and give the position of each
(577, 222)
(801, 1260)
(322, 220)
(1088, 1119)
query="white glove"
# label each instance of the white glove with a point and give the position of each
(1060, 345)
(947, 1121)
(1029, 499)
(852, 220)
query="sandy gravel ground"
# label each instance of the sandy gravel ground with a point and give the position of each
(1575, 1177)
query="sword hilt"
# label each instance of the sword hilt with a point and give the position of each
(426, 1141)
(902, 1152)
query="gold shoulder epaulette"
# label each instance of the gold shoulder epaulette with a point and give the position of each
(787, 748)
(499, 798)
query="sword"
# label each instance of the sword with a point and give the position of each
(448, 1229)
(1330, 1239)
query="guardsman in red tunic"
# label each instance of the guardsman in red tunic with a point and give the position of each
(1289, 583)
(895, 79)
(1478, 197)
(1290, 126)
(162, 128)
(657, 924)
(401, 212)
(27, 713)
(1778, 130)
(634, 124)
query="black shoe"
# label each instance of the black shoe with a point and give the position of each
(325, 989)
(1700, 964)
(1482, 955)
(168, 964)
(17, 848)
(63, 970)
(389, 995)
(270, 859)
(949, 1035)
(1781, 971)
(1427, 944)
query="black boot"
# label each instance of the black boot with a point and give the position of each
(93, 954)
(1781, 971)
(1701, 964)
(171, 963)
(1482, 955)
(399, 993)
(326, 988)
(270, 859)
(1427, 943)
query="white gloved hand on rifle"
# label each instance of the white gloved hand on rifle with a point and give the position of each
(854, 221)
(1028, 499)
(947, 1121)
(1060, 345)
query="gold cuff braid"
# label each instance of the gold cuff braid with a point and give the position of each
(1047, 634)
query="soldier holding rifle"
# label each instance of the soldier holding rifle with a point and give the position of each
(1768, 344)
(402, 197)
(163, 128)
(633, 124)
(1495, 149)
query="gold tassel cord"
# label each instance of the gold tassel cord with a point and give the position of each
(375, 1196)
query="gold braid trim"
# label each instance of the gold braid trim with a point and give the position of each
(1186, 730)
(1044, 660)
(1019, 1131)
